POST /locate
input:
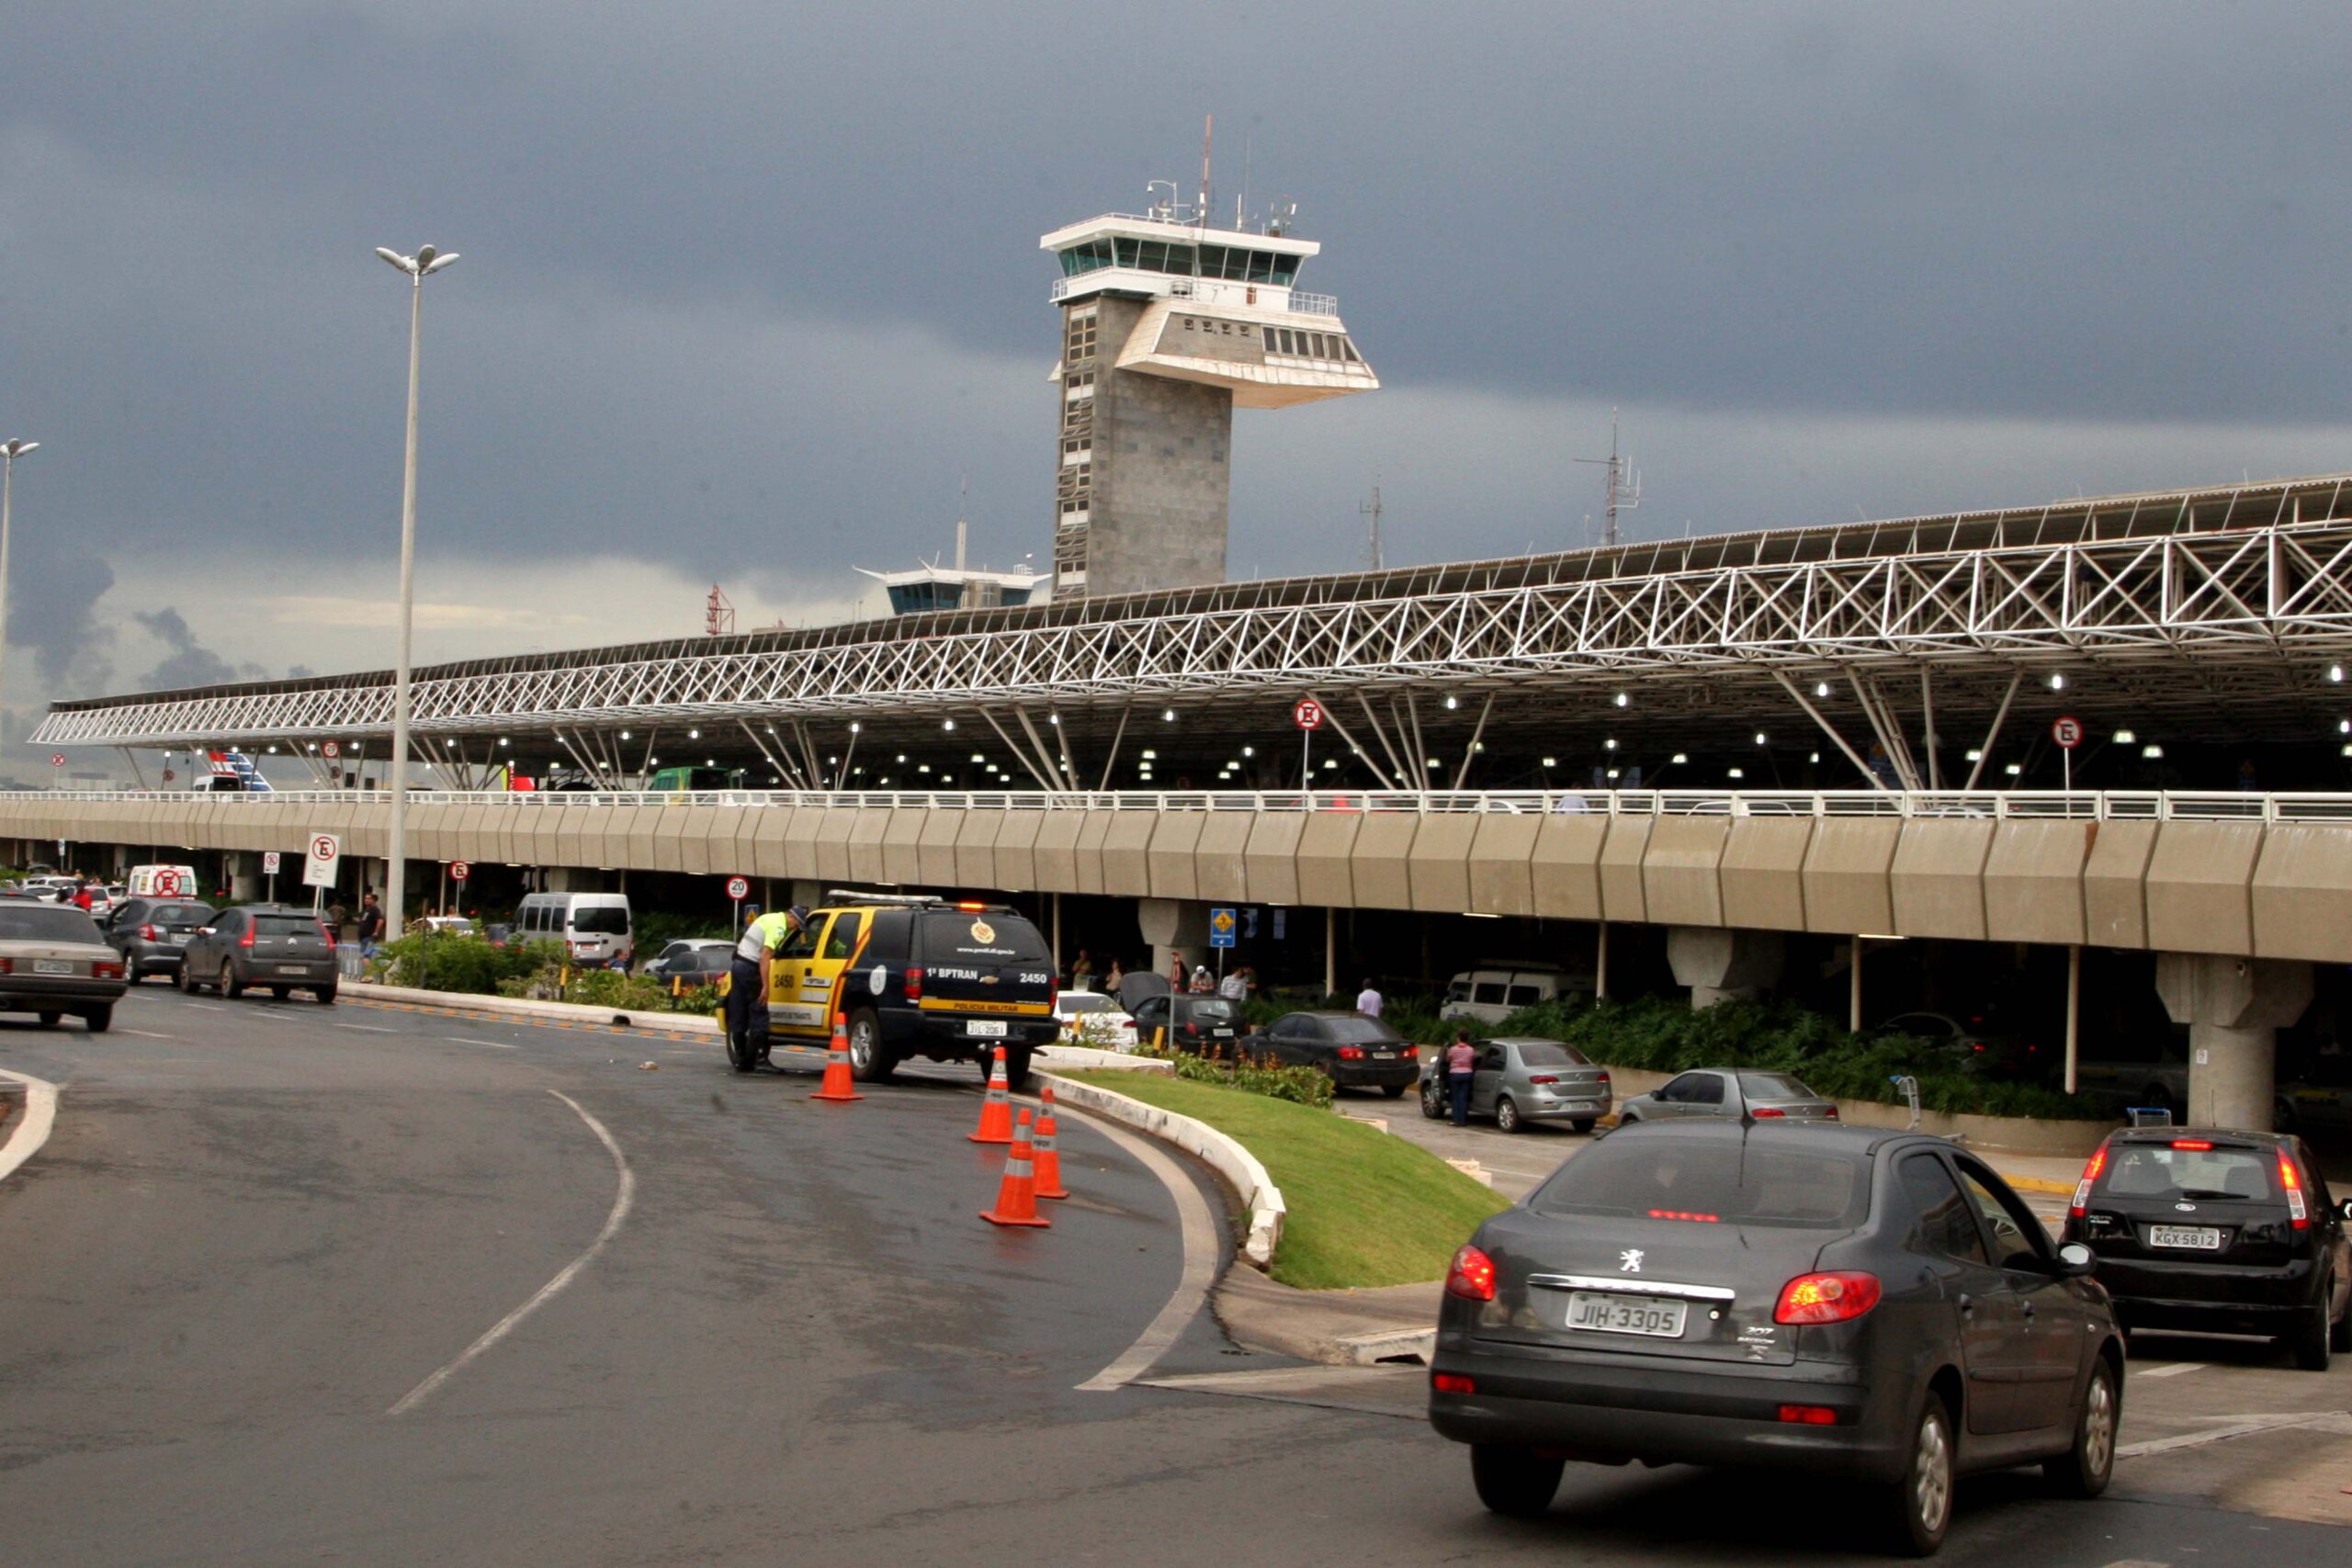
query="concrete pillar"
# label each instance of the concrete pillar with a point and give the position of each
(1721, 964)
(1173, 926)
(2234, 1008)
(244, 876)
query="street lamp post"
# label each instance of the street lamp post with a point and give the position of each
(10, 452)
(419, 267)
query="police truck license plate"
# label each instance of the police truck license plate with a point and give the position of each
(2205, 1238)
(986, 1028)
(1626, 1314)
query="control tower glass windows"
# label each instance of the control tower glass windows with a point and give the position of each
(1085, 256)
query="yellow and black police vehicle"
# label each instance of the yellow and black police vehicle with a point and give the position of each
(916, 976)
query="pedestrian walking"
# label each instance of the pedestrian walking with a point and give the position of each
(752, 973)
(1368, 1001)
(1461, 1064)
(371, 925)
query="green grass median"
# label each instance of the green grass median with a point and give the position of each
(1365, 1209)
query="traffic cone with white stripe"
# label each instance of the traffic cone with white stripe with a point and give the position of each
(838, 1084)
(996, 1110)
(1016, 1195)
(1049, 1158)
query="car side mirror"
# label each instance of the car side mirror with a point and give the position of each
(2075, 1261)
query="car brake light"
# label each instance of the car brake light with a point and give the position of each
(1831, 1113)
(2083, 1188)
(2192, 1144)
(7, 966)
(1977, 1046)
(149, 933)
(1808, 1415)
(105, 971)
(1452, 1382)
(1471, 1275)
(1604, 1077)
(247, 939)
(1351, 1052)
(914, 983)
(1837, 1297)
(1542, 1078)
(2291, 1181)
(1766, 1111)
(325, 935)
(1678, 1214)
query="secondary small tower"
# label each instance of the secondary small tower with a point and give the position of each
(1168, 324)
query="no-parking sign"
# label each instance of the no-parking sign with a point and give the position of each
(2067, 732)
(319, 864)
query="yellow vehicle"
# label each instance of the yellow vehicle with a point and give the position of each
(916, 976)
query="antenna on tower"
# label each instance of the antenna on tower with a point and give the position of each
(1624, 489)
(718, 614)
(1371, 509)
(1208, 134)
(963, 492)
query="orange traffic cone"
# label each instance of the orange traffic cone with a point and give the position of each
(1016, 1195)
(996, 1110)
(1049, 1158)
(838, 1084)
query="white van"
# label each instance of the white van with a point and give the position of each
(595, 928)
(163, 882)
(1491, 996)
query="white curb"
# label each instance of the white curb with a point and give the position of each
(573, 1012)
(1222, 1153)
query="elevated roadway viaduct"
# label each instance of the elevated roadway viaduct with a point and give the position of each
(2236, 896)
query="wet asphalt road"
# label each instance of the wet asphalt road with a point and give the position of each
(259, 1226)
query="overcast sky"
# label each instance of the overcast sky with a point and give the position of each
(749, 289)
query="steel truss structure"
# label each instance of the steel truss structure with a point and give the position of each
(2229, 618)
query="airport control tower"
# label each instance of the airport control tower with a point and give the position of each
(1166, 325)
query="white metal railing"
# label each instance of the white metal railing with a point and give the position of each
(1307, 304)
(2106, 806)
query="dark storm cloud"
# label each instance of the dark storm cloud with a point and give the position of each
(54, 590)
(185, 661)
(750, 288)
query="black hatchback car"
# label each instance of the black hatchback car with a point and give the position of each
(2227, 1232)
(152, 934)
(1353, 1049)
(1202, 1025)
(262, 946)
(1843, 1300)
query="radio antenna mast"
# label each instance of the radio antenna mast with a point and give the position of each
(1624, 489)
(1371, 509)
(1208, 134)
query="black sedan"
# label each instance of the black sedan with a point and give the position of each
(1354, 1051)
(2226, 1233)
(1841, 1300)
(152, 934)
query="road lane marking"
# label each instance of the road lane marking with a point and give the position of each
(2173, 1371)
(206, 1007)
(144, 1034)
(366, 1028)
(2245, 1427)
(33, 1129)
(493, 1044)
(622, 1198)
(1191, 1292)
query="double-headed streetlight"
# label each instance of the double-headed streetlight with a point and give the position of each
(420, 266)
(10, 452)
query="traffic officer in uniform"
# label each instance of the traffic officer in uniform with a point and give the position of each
(749, 974)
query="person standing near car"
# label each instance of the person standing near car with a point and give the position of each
(1461, 1064)
(753, 970)
(1368, 1001)
(1082, 972)
(371, 925)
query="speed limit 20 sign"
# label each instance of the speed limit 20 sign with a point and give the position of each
(739, 888)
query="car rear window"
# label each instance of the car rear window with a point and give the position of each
(54, 923)
(993, 936)
(1213, 1009)
(1081, 1002)
(600, 919)
(2170, 1173)
(1750, 1182)
(1772, 1086)
(180, 914)
(1551, 1053)
(285, 925)
(1357, 1031)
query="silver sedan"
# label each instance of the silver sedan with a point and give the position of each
(1524, 1080)
(1729, 1091)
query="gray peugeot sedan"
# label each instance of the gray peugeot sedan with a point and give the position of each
(1731, 1093)
(1522, 1080)
(1851, 1303)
